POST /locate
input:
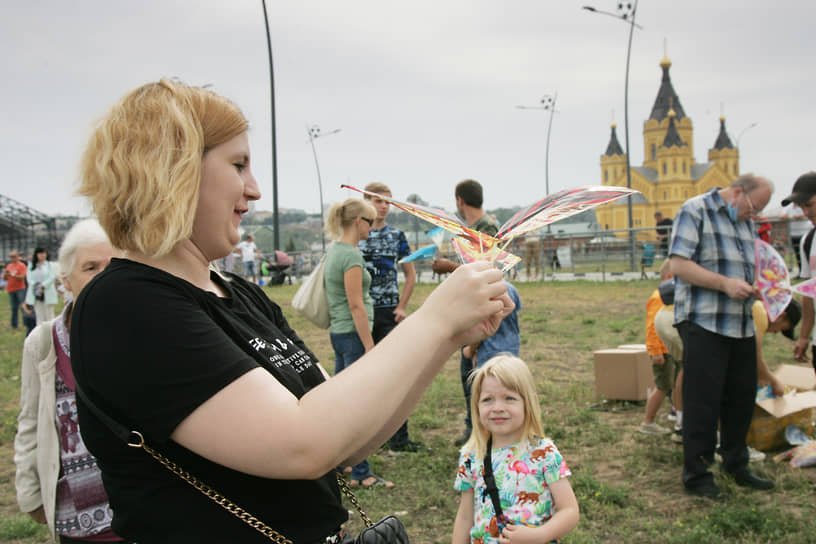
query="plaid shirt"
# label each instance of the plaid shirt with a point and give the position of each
(705, 234)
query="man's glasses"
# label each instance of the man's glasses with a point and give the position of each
(367, 220)
(751, 208)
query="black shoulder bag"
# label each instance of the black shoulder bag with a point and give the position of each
(490, 482)
(389, 530)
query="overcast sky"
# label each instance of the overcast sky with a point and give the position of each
(425, 92)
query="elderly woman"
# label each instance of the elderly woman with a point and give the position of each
(58, 482)
(41, 293)
(205, 367)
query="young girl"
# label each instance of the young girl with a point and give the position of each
(537, 501)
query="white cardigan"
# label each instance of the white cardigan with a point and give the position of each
(36, 446)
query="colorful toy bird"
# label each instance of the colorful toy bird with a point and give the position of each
(472, 245)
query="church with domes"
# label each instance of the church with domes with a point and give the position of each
(669, 175)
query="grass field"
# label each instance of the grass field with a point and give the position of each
(628, 485)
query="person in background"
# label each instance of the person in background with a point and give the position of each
(804, 195)
(530, 476)
(532, 255)
(42, 291)
(248, 251)
(15, 275)
(58, 481)
(29, 318)
(712, 260)
(798, 227)
(469, 201)
(506, 341)
(785, 324)
(204, 365)
(664, 232)
(351, 310)
(665, 367)
(382, 249)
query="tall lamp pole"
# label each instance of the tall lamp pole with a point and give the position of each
(275, 215)
(626, 12)
(743, 131)
(314, 133)
(547, 104)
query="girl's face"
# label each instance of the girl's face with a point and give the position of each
(41, 256)
(501, 412)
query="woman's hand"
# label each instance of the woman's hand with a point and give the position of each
(470, 304)
(38, 515)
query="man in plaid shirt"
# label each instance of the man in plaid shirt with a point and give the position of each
(712, 259)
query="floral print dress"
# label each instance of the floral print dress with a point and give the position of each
(523, 472)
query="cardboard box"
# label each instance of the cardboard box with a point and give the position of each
(801, 377)
(638, 347)
(623, 374)
(772, 416)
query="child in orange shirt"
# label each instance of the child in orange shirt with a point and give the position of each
(665, 367)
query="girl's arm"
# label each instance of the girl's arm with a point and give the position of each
(363, 405)
(561, 523)
(353, 282)
(464, 519)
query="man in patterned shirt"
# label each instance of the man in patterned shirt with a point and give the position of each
(384, 247)
(712, 259)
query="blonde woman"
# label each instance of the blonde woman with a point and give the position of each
(205, 366)
(351, 309)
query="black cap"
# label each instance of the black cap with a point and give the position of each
(803, 189)
(794, 313)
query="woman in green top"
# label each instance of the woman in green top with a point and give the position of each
(351, 310)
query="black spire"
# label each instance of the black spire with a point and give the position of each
(666, 99)
(672, 136)
(614, 148)
(723, 141)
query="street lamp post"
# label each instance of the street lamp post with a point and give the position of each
(743, 131)
(275, 217)
(547, 104)
(314, 133)
(626, 12)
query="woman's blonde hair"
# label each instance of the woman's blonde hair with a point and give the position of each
(343, 214)
(514, 374)
(141, 169)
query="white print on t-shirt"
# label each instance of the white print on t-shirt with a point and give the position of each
(259, 344)
(299, 361)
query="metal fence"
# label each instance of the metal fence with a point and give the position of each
(605, 252)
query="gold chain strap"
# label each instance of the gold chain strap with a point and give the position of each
(344, 486)
(217, 497)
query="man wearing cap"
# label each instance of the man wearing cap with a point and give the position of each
(804, 195)
(712, 259)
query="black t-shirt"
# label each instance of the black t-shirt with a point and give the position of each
(148, 348)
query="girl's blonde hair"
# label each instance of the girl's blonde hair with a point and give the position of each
(514, 374)
(343, 214)
(141, 169)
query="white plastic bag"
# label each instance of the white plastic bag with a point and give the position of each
(310, 300)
